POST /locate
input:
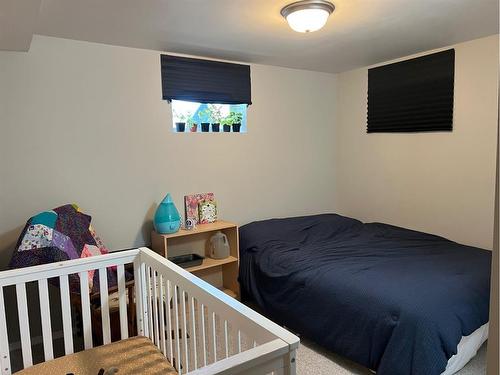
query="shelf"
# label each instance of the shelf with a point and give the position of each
(209, 263)
(201, 228)
(221, 273)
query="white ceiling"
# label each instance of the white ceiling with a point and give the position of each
(359, 32)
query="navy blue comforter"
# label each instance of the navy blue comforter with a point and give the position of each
(392, 299)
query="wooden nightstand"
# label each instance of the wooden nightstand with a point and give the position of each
(222, 273)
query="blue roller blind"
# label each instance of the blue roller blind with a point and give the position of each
(205, 81)
(412, 96)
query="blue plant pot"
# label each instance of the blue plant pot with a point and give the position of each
(167, 219)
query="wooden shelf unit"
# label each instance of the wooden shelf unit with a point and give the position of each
(209, 263)
(222, 273)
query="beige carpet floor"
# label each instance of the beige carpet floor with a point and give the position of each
(314, 360)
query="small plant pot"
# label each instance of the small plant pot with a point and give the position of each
(215, 128)
(180, 126)
(227, 128)
(236, 128)
(193, 128)
(205, 127)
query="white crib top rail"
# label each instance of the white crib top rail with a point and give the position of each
(67, 267)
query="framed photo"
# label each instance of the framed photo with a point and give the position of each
(191, 203)
(207, 211)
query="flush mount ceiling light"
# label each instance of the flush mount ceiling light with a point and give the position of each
(307, 15)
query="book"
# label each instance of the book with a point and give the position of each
(191, 203)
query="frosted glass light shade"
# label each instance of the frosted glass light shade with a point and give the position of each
(307, 15)
(307, 20)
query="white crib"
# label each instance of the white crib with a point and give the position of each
(198, 328)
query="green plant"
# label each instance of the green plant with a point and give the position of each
(190, 121)
(205, 114)
(235, 117)
(215, 111)
(179, 116)
(225, 120)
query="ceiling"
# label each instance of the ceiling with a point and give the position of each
(359, 32)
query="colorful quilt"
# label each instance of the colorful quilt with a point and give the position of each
(60, 234)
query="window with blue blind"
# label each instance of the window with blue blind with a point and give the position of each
(412, 96)
(206, 95)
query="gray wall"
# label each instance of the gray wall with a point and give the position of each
(440, 182)
(85, 123)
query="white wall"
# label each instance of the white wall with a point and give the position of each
(441, 183)
(85, 123)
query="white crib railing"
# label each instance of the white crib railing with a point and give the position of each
(197, 327)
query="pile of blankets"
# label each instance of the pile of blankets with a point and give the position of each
(60, 234)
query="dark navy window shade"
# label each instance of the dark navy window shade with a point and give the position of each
(412, 96)
(205, 81)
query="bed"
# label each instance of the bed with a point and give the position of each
(394, 300)
(184, 325)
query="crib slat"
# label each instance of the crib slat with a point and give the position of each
(184, 318)
(169, 324)
(239, 341)
(161, 302)
(43, 293)
(226, 338)
(203, 338)
(214, 336)
(4, 341)
(122, 296)
(177, 338)
(193, 334)
(137, 295)
(140, 297)
(24, 325)
(103, 289)
(66, 315)
(86, 321)
(155, 310)
(149, 303)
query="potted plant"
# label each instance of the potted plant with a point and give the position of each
(205, 126)
(193, 126)
(236, 118)
(180, 122)
(216, 116)
(226, 124)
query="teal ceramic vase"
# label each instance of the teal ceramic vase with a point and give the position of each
(167, 219)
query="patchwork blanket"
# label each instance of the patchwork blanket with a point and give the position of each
(60, 234)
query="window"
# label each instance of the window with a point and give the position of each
(206, 95)
(213, 118)
(412, 96)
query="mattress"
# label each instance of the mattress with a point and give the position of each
(467, 349)
(133, 356)
(394, 300)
